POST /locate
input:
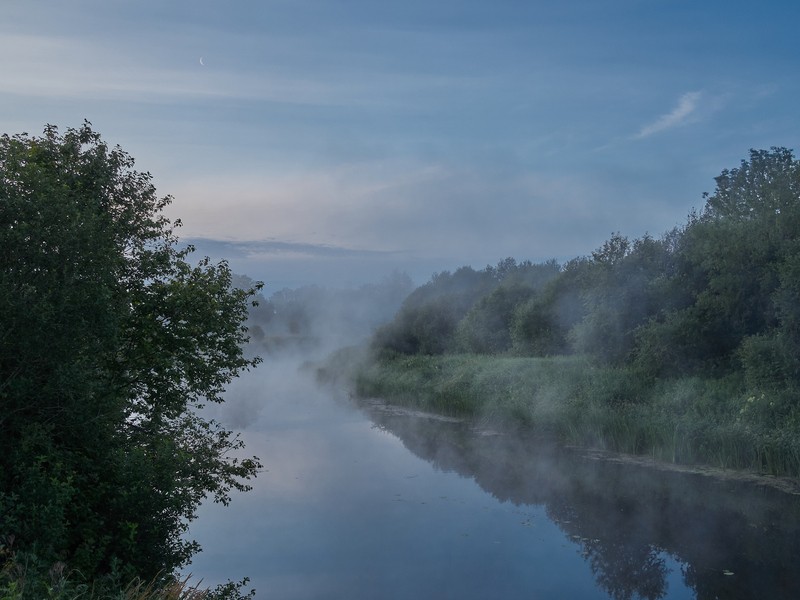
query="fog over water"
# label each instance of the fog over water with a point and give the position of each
(312, 142)
(359, 499)
(372, 502)
(345, 510)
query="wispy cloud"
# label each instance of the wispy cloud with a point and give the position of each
(687, 105)
(390, 209)
(66, 67)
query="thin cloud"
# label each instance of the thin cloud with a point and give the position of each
(64, 67)
(266, 249)
(687, 104)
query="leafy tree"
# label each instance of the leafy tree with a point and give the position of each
(734, 264)
(787, 306)
(487, 327)
(109, 343)
(766, 187)
(428, 318)
(622, 292)
(536, 328)
(540, 325)
(428, 328)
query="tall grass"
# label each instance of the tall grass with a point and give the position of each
(24, 577)
(719, 422)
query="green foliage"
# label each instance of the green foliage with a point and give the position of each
(427, 320)
(486, 328)
(461, 309)
(109, 343)
(536, 329)
(735, 264)
(23, 576)
(765, 361)
(765, 187)
(424, 329)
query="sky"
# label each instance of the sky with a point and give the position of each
(332, 141)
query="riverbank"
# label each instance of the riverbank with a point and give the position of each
(687, 421)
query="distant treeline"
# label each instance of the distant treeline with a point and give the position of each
(718, 294)
(310, 316)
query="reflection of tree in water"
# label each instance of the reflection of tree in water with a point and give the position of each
(629, 520)
(624, 566)
(627, 571)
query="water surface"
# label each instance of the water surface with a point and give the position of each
(369, 502)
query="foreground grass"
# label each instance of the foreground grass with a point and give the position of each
(24, 577)
(717, 422)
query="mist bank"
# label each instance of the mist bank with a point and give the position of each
(312, 320)
(685, 347)
(691, 420)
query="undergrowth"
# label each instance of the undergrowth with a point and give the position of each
(23, 576)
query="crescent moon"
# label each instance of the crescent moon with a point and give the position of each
(202, 64)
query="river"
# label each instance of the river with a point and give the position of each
(366, 502)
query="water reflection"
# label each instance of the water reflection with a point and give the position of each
(373, 503)
(732, 539)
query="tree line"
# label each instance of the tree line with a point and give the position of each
(717, 295)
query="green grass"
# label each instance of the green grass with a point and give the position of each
(717, 422)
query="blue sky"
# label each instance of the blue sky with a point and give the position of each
(332, 141)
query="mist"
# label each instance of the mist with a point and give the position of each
(293, 329)
(363, 498)
(636, 407)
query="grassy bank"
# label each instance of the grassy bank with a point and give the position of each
(690, 420)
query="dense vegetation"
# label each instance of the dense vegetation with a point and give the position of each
(109, 343)
(686, 346)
